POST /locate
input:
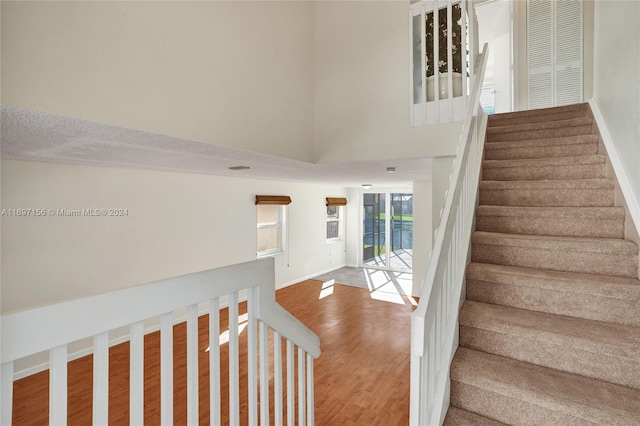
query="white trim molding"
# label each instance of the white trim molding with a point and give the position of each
(623, 179)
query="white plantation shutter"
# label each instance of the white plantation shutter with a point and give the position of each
(554, 52)
(539, 53)
(568, 52)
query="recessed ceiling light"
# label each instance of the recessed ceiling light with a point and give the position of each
(391, 169)
(239, 168)
(367, 185)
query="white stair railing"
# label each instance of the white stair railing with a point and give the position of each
(52, 328)
(434, 323)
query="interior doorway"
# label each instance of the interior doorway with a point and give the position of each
(495, 27)
(387, 240)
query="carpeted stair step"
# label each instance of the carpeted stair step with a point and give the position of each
(516, 392)
(543, 114)
(457, 417)
(542, 148)
(602, 256)
(588, 296)
(593, 222)
(540, 126)
(498, 120)
(577, 167)
(555, 132)
(609, 352)
(548, 193)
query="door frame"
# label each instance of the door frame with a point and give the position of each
(387, 224)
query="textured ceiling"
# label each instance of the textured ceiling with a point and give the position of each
(37, 136)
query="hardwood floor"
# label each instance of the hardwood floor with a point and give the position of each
(361, 378)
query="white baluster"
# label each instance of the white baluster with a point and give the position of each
(301, 388)
(450, 59)
(277, 378)
(436, 59)
(310, 392)
(6, 392)
(136, 374)
(234, 362)
(264, 374)
(192, 365)
(101, 379)
(166, 369)
(252, 355)
(214, 361)
(58, 385)
(290, 385)
(463, 43)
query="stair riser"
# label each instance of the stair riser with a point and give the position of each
(587, 171)
(541, 152)
(457, 417)
(540, 134)
(507, 409)
(548, 113)
(588, 361)
(540, 126)
(565, 226)
(620, 310)
(547, 197)
(540, 118)
(562, 259)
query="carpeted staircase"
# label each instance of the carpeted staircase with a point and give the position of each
(550, 330)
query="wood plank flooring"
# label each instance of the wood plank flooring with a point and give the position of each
(361, 378)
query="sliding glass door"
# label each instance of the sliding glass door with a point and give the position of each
(387, 240)
(374, 238)
(401, 243)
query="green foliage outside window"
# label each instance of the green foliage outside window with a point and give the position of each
(456, 41)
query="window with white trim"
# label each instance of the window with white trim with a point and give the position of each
(270, 229)
(333, 223)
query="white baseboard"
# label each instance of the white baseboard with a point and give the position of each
(623, 180)
(310, 276)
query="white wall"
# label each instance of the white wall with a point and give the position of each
(312, 81)
(229, 73)
(494, 28)
(617, 82)
(422, 231)
(177, 224)
(354, 223)
(362, 86)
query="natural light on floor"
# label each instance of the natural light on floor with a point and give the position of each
(394, 287)
(387, 286)
(243, 319)
(327, 289)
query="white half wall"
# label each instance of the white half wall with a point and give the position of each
(442, 170)
(176, 224)
(422, 232)
(616, 87)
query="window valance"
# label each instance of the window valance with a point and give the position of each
(332, 201)
(279, 200)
